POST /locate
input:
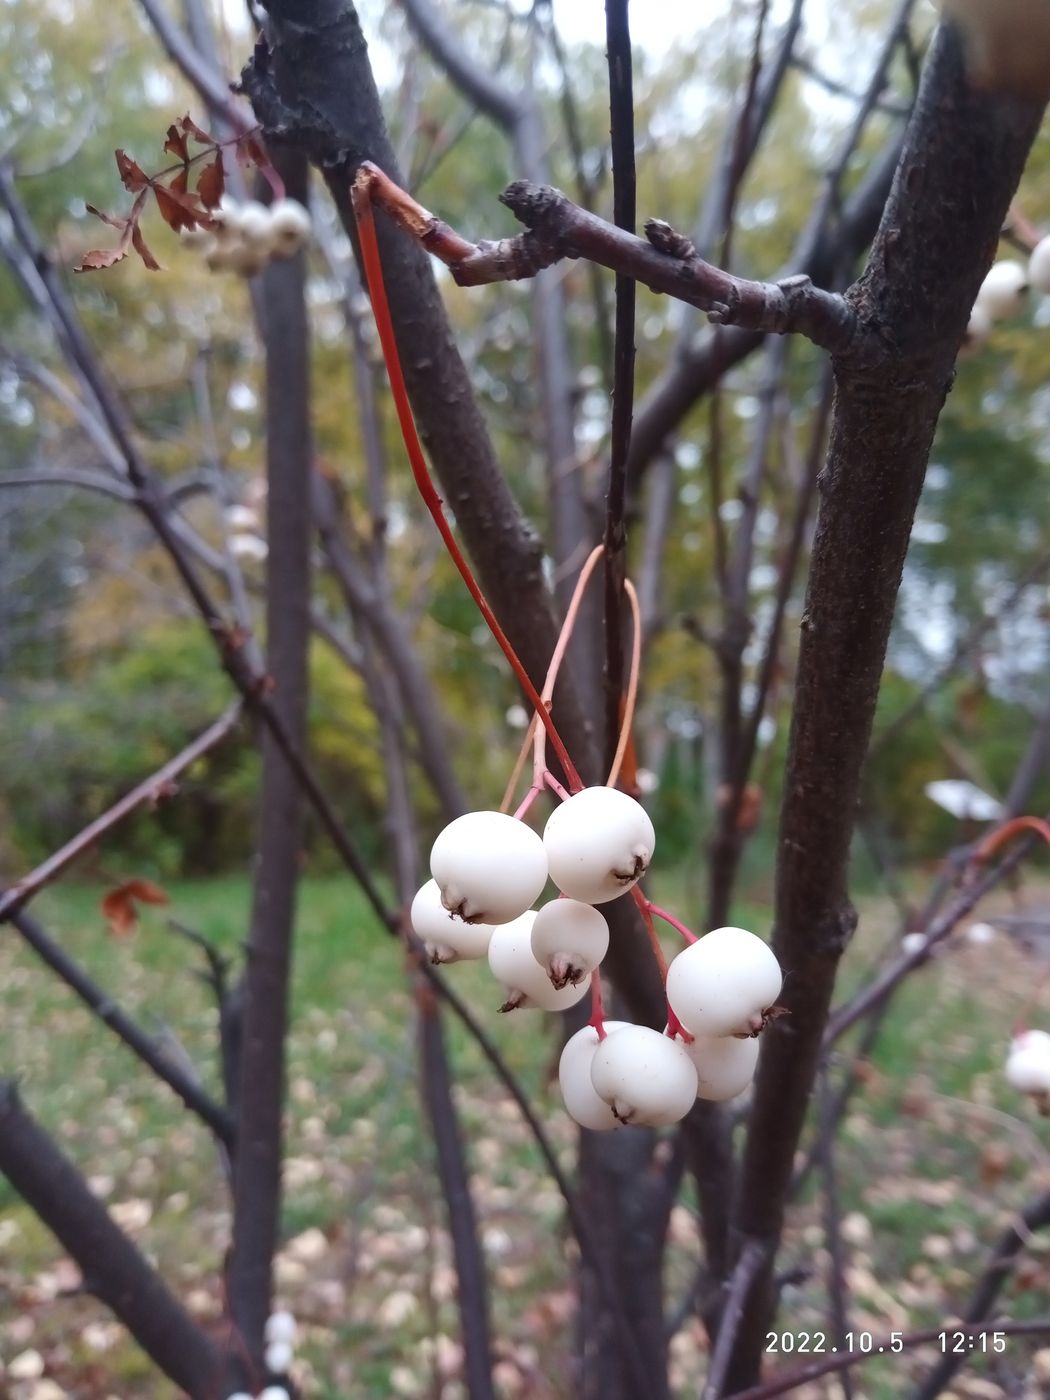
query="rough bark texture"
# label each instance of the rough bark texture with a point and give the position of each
(114, 1269)
(312, 85)
(257, 1181)
(962, 159)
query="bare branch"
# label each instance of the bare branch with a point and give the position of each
(84, 480)
(138, 1041)
(488, 94)
(156, 786)
(664, 261)
(114, 1270)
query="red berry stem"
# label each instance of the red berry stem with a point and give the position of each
(644, 908)
(687, 934)
(995, 840)
(526, 802)
(597, 1005)
(555, 787)
(362, 202)
(675, 1027)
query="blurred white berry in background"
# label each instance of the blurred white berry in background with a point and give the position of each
(978, 329)
(289, 227)
(980, 933)
(644, 1077)
(280, 1327)
(724, 983)
(1028, 1063)
(1002, 292)
(489, 867)
(569, 939)
(913, 943)
(524, 980)
(582, 1101)
(599, 843)
(278, 1357)
(446, 937)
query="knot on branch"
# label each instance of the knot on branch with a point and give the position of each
(533, 204)
(666, 239)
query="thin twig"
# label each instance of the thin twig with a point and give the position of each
(751, 1260)
(153, 788)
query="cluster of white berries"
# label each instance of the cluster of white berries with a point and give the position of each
(1004, 292)
(247, 235)
(1028, 1066)
(488, 870)
(279, 1335)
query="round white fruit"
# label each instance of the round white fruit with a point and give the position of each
(278, 1357)
(446, 937)
(725, 1065)
(524, 980)
(569, 940)
(978, 328)
(280, 1327)
(489, 867)
(582, 1102)
(255, 224)
(289, 227)
(1039, 266)
(1003, 290)
(644, 1077)
(599, 843)
(724, 983)
(273, 1392)
(1028, 1064)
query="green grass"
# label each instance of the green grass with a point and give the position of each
(913, 1159)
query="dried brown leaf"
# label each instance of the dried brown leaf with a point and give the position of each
(142, 248)
(178, 210)
(191, 128)
(212, 182)
(132, 176)
(176, 143)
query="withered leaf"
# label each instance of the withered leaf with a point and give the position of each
(142, 248)
(212, 182)
(191, 128)
(251, 151)
(177, 209)
(119, 905)
(176, 143)
(132, 176)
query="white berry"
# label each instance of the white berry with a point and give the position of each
(574, 1075)
(978, 328)
(644, 1077)
(273, 1392)
(569, 939)
(1003, 290)
(254, 222)
(1039, 266)
(280, 1327)
(525, 981)
(725, 1065)
(278, 1357)
(724, 983)
(1028, 1064)
(489, 866)
(599, 843)
(239, 1395)
(289, 227)
(445, 936)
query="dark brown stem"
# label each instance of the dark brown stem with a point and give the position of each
(289, 465)
(621, 122)
(963, 157)
(114, 1270)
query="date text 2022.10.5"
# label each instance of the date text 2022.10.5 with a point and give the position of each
(867, 1344)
